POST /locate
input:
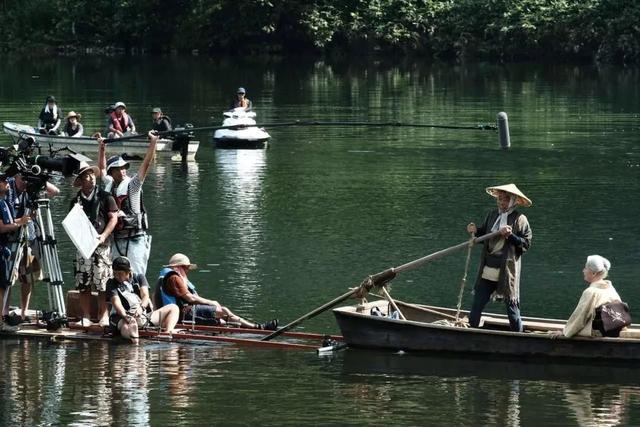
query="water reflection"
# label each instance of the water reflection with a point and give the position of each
(240, 182)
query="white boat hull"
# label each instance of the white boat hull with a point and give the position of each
(89, 145)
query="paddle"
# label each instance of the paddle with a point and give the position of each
(307, 123)
(379, 280)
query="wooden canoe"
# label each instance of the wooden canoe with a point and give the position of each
(419, 333)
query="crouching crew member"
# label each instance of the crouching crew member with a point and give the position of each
(175, 288)
(132, 309)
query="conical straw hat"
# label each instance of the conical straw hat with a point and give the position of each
(511, 189)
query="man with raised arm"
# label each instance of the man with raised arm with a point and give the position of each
(130, 237)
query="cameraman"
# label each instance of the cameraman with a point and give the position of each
(9, 226)
(130, 238)
(20, 202)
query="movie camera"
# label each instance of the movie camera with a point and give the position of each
(26, 159)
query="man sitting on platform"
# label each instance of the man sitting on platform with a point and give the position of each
(175, 288)
(132, 309)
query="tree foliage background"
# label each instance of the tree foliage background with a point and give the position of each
(602, 30)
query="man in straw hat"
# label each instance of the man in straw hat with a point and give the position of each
(93, 273)
(132, 309)
(175, 288)
(500, 265)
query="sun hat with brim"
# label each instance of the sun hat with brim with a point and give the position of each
(511, 189)
(119, 104)
(181, 260)
(74, 114)
(117, 162)
(84, 167)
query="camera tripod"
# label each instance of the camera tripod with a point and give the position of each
(50, 262)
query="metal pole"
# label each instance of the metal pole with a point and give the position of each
(503, 130)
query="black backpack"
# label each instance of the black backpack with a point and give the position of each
(611, 318)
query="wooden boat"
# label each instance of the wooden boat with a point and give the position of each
(419, 333)
(85, 145)
(188, 334)
(244, 135)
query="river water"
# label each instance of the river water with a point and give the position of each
(279, 232)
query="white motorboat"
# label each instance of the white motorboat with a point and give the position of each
(246, 135)
(85, 144)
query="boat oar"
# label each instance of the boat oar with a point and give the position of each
(379, 280)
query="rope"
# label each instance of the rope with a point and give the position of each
(464, 277)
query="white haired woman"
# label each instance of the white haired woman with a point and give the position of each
(599, 292)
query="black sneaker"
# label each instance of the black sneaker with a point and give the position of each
(271, 325)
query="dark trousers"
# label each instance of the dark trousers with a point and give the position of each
(483, 292)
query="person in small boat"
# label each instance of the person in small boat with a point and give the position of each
(130, 237)
(241, 100)
(161, 123)
(131, 306)
(30, 271)
(72, 126)
(174, 287)
(500, 262)
(9, 226)
(599, 292)
(93, 273)
(120, 123)
(107, 114)
(50, 117)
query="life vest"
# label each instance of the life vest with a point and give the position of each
(117, 122)
(165, 297)
(131, 222)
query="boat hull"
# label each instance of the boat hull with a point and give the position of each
(361, 329)
(87, 145)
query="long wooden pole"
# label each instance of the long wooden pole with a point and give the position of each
(380, 279)
(309, 123)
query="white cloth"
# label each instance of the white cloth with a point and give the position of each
(54, 110)
(598, 293)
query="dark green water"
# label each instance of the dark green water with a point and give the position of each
(279, 232)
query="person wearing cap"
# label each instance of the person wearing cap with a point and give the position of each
(73, 127)
(130, 238)
(9, 227)
(161, 123)
(120, 123)
(30, 271)
(92, 274)
(131, 307)
(174, 287)
(500, 261)
(241, 100)
(50, 117)
(598, 293)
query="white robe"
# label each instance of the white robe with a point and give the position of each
(598, 293)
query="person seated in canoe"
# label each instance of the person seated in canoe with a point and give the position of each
(241, 100)
(128, 294)
(120, 123)
(161, 123)
(50, 117)
(9, 226)
(500, 262)
(175, 288)
(73, 127)
(107, 114)
(586, 319)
